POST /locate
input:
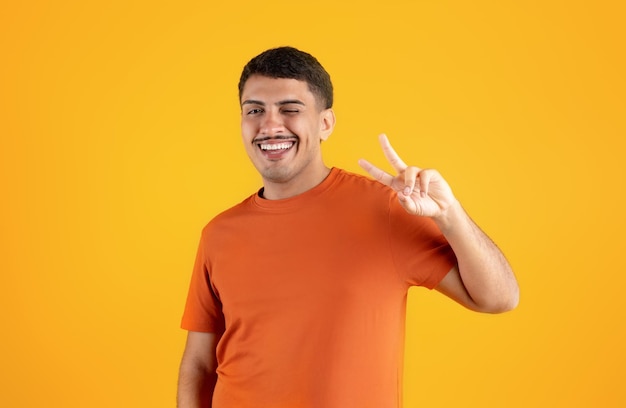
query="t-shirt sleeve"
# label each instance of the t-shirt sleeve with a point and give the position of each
(421, 253)
(203, 309)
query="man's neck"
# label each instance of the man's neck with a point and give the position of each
(281, 191)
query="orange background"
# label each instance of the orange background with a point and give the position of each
(120, 139)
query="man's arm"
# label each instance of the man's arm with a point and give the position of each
(197, 376)
(483, 280)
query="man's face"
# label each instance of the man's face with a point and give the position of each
(282, 125)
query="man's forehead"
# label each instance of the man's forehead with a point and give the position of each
(259, 87)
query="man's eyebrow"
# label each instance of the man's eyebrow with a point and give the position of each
(280, 103)
(252, 102)
(291, 101)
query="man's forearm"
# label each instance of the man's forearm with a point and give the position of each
(195, 387)
(485, 272)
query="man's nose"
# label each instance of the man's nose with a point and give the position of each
(271, 124)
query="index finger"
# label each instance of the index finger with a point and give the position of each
(378, 174)
(391, 154)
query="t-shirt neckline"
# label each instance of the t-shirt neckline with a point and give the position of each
(299, 199)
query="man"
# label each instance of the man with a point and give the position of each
(298, 294)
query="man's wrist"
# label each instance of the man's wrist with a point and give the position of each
(449, 217)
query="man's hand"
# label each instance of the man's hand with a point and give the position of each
(483, 280)
(420, 191)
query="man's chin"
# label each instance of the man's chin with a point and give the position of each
(276, 174)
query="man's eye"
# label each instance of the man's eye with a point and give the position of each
(254, 111)
(290, 111)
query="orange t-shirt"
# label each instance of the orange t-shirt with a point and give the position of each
(310, 294)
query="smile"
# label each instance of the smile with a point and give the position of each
(276, 146)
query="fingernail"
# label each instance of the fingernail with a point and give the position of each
(407, 191)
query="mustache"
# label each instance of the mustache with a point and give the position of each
(279, 137)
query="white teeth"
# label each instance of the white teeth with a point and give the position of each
(276, 146)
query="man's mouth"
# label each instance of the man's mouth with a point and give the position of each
(275, 149)
(276, 146)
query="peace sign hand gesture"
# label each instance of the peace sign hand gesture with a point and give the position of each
(420, 191)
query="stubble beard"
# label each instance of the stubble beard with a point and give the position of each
(279, 173)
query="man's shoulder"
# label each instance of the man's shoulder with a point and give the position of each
(357, 181)
(230, 214)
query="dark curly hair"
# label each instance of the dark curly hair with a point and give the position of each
(289, 62)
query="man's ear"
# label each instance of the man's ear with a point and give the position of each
(328, 123)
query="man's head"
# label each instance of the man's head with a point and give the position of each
(286, 98)
(291, 63)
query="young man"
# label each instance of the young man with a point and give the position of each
(298, 294)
